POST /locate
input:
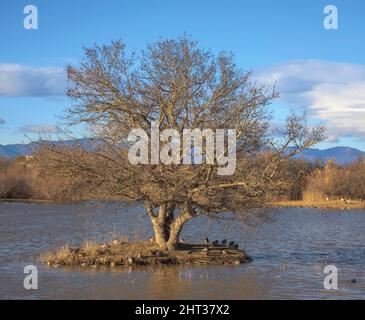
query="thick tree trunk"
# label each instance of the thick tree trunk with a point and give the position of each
(173, 240)
(167, 230)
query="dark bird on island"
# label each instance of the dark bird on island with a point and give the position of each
(231, 244)
(206, 241)
(353, 281)
(215, 243)
(224, 241)
(236, 246)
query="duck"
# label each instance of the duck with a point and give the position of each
(231, 244)
(215, 243)
(224, 241)
(236, 246)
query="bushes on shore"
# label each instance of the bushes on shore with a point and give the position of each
(21, 179)
(335, 182)
(24, 178)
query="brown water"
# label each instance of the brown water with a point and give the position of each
(289, 253)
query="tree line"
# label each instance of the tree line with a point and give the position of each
(25, 178)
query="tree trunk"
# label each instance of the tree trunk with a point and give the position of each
(167, 230)
(173, 240)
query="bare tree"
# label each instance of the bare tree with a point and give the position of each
(178, 85)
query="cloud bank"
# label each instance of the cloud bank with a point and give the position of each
(26, 81)
(328, 91)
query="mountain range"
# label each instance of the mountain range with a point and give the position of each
(341, 155)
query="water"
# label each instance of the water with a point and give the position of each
(289, 253)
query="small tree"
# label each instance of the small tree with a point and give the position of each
(178, 85)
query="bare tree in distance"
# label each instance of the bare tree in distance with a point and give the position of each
(179, 85)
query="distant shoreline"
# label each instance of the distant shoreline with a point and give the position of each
(39, 201)
(335, 204)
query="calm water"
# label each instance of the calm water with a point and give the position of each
(289, 253)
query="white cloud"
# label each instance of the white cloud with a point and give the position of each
(40, 129)
(25, 81)
(328, 91)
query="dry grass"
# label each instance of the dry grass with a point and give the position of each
(334, 204)
(118, 253)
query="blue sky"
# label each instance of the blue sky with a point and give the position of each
(317, 70)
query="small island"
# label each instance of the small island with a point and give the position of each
(120, 253)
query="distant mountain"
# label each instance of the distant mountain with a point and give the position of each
(14, 150)
(341, 155)
(11, 151)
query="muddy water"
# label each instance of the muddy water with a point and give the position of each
(289, 251)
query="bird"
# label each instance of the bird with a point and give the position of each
(215, 243)
(182, 240)
(224, 252)
(206, 241)
(205, 249)
(353, 281)
(231, 244)
(224, 241)
(236, 246)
